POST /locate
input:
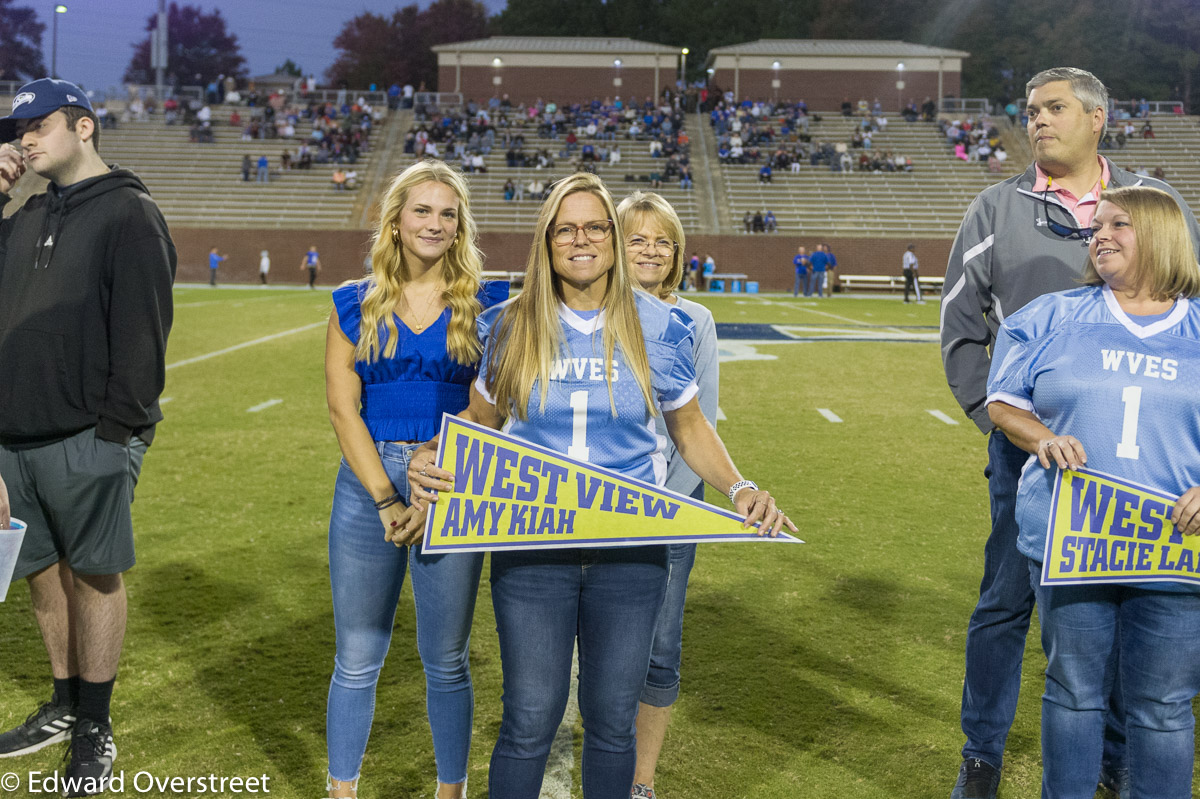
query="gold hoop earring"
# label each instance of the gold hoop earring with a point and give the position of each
(395, 234)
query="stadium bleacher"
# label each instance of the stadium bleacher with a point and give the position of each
(199, 185)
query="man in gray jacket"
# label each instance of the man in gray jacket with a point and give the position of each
(1020, 239)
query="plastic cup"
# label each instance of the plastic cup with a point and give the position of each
(10, 547)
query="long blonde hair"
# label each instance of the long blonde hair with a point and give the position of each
(647, 205)
(530, 336)
(461, 268)
(1166, 256)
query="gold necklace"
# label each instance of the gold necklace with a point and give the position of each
(420, 325)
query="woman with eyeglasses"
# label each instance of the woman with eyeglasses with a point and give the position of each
(654, 243)
(579, 302)
(1107, 376)
(402, 348)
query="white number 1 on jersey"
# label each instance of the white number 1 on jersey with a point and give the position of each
(579, 408)
(1127, 447)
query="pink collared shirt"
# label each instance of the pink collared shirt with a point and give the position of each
(1083, 208)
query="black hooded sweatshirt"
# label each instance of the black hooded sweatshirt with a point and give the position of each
(85, 309)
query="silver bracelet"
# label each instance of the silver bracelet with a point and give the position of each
(739, 485)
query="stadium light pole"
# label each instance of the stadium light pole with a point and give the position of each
(496, 79)
(617, 73)
(683, 68)
(58, 9)
(775, 80)
(900, 86)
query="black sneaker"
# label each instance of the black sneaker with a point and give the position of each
(1115, 782)
(91, 756)
(976, 780)
(47, 725)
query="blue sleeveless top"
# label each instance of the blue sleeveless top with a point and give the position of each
(404, 397)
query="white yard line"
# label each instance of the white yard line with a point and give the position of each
(245, 344)
(164, 400)
(830, 415)
(557, 781)
(797, 307)
(262, 406)
(721, 414)
(812, 333)
(941, 417)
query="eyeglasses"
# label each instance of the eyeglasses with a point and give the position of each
(663, 246)
(1083, 234)
(595, 231)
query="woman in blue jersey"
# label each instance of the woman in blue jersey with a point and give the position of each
(579, 303)
(1107, 376)
(402, 348)
(654, 241)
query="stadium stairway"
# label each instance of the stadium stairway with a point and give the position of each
(714, 211)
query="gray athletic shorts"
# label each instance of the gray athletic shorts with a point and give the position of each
(75, 495)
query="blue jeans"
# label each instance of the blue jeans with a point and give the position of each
(1000, 622)
(366, 573)
(662, 681)
(816, 284)
(610, 599)
(1157, 638)
(800, 283)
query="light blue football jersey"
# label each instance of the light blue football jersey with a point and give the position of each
(1129, 392)
(578, 419)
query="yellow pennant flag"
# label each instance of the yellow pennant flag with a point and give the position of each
(510, 494)
(1104, 529)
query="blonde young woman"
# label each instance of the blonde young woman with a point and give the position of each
(654, 242)
(402, 348)
(579, 301)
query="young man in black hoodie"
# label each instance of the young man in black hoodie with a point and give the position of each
(86, 271)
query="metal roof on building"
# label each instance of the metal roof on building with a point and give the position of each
(556, 44)
(836, 47)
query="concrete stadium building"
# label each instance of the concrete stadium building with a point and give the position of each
(825, 72)
(555, 68)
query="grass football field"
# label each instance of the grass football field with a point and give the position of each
(832, 669)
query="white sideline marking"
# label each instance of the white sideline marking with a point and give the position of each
(721, 414)
(830, 415)
(245, 344)
(164, 400)
(941, 417)
(556, 784)
(812, 333)
(262, 406)
(741, 351)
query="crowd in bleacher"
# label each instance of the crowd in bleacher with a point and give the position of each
(776, 136)
(975, 140)
(336, 131)
(583, 135)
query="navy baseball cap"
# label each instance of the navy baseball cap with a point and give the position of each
(39, 98)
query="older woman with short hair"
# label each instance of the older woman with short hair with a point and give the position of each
(1058, 393)
(654, 247)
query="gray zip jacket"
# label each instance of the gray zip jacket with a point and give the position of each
(1003, 257)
